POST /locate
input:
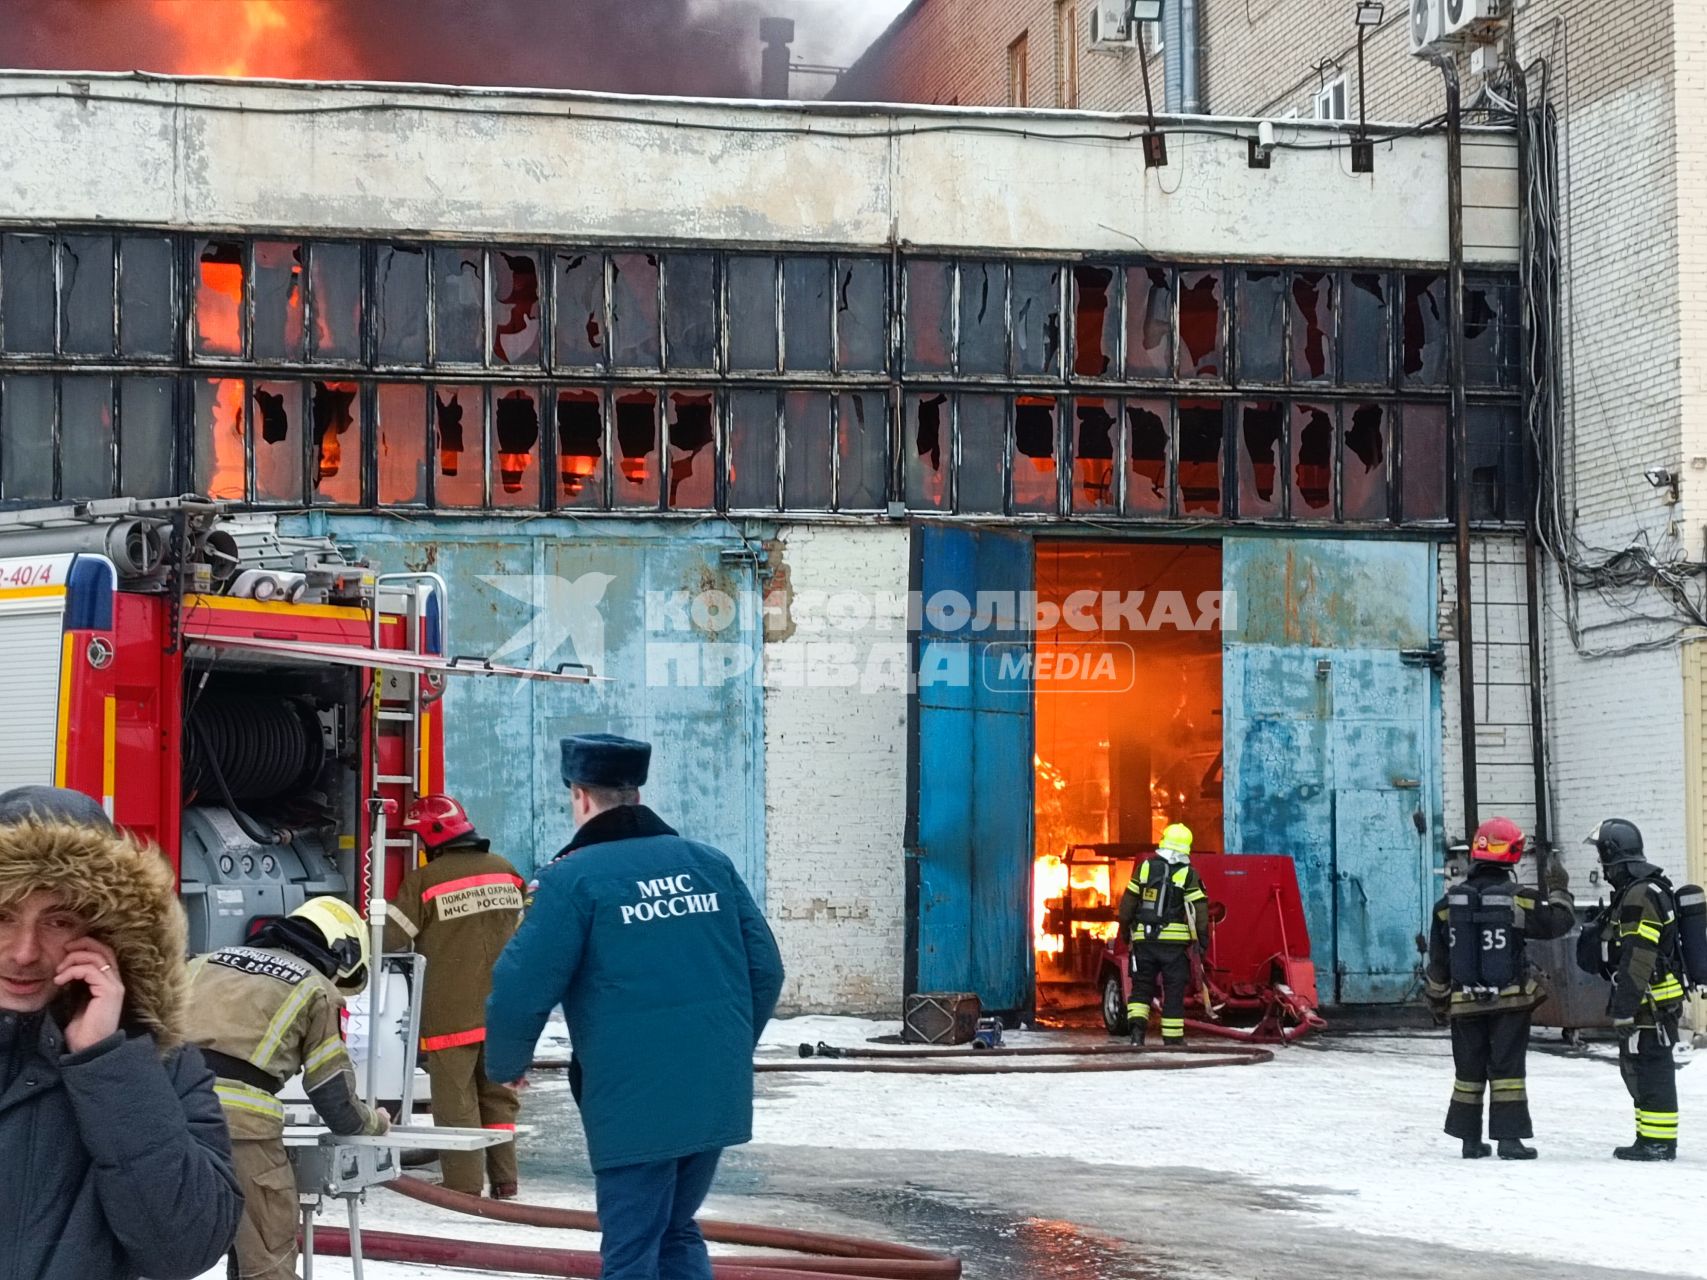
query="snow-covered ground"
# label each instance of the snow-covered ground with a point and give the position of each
(1347, 1128)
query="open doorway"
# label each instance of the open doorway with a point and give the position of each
(1128, 735)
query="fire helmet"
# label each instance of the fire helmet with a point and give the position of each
(1175, 842)
(329, 934)
(1616, 840)
(437, 820)
(1497, 840)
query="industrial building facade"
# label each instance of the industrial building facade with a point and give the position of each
(938, 490)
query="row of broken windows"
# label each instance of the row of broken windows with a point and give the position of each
(381, 305)
(467, 446)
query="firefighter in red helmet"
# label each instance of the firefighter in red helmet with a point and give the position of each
(458, 911)
(1480, 980)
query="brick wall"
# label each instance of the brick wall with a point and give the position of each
(836, 771)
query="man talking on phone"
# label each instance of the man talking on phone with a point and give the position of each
(114, 1160)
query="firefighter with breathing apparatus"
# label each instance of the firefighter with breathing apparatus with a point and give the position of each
(1479, 978)
(1163, 915)
(260, 1013)
(1651, 941)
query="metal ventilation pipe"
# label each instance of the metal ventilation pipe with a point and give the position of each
(1180, 61)
(777, 34)
(137, 548)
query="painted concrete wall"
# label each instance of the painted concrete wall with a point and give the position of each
(571, 166)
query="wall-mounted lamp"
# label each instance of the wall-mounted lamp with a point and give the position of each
(1143, 13)
(1663, 479)
(1369, 14)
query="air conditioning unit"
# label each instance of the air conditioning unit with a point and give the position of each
(1111, 25)
(1463, 19)
(1427, 25)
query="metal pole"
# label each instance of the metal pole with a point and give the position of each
(355, 1238)
(376, 945)
(308, 1242)
(1362, 114)
(1144, 66)
(1460, 430)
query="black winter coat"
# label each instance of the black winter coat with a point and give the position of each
(114, 1162)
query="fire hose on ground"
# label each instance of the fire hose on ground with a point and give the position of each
(812, 1255)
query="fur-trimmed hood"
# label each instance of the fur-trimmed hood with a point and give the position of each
(127, 892)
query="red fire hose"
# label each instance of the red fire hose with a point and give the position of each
(836, 1257)
(986, 1062)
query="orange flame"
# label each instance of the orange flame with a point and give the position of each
(282, 39)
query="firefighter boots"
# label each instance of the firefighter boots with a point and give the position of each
(504, 1190)
(1139, 1031)
(1646, 1149)
(1513, 1149)
(1476, 1149)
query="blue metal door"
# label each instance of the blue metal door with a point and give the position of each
(1331, 754)
(973, 767)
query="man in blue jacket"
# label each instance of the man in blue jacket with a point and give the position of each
(643, 938)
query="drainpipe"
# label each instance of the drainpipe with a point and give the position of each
(1460, 428)
(1190, 99)
(1179, 57)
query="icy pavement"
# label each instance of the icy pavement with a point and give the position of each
(1328, 1161)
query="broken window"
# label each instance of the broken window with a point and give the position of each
(980, 481)
(1314, 332)
(690, 311)
(147, 438)
(146, 309)
(1498, 488)
(1094, 430)
(1035, 484)
(336, 462)
(581, 311)
(1491, 335)
(459, 442)
(402, 408)
(639, 482)
(275, 409)
(1365, 335)
(280, 301)
(516, 330)
(1262, 326)
(1423, 462)
(1201, 440)
(862, 314)
(862, 445)
(929, 450)
(806, 304)
(335, 295)
(26, 295)
(1363, 463)
(693, 451)
(1312, 462)
(636, 339)
(806, 479)
(1149, 322)
(1096, 321)
(1261, 433)
(220, 273)
(515, 447)
(580, 448)
(459, 305)
(1200, 325)
(983, 318)
(26, 437)
(1037, 320)
(400, 304)
(220, 436)
(86, 285)
(752, 314)
(1147, 457)
(753, 478)
(1424, 343)
(930, 316)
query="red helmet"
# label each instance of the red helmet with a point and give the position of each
(437, 820)
(1497, 840)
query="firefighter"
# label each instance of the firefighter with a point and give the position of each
(1479, 979)
(1163, 914)
(1639, 949)
(458, 911)
(260, 1013)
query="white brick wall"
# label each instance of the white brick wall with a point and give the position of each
(835, 776)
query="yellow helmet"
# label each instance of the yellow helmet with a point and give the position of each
(345, 939)
(1176, 841)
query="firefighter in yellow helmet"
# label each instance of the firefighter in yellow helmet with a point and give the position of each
(260, 1013)
(1163, 914)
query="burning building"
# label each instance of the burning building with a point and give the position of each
(950, 497)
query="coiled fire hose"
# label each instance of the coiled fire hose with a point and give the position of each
(827, 1059)
(813, 1255)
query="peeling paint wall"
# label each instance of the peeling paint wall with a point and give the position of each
(579, 166)
(836, 768)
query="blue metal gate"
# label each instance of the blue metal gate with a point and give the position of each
(972, 767)
(1331, 752)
